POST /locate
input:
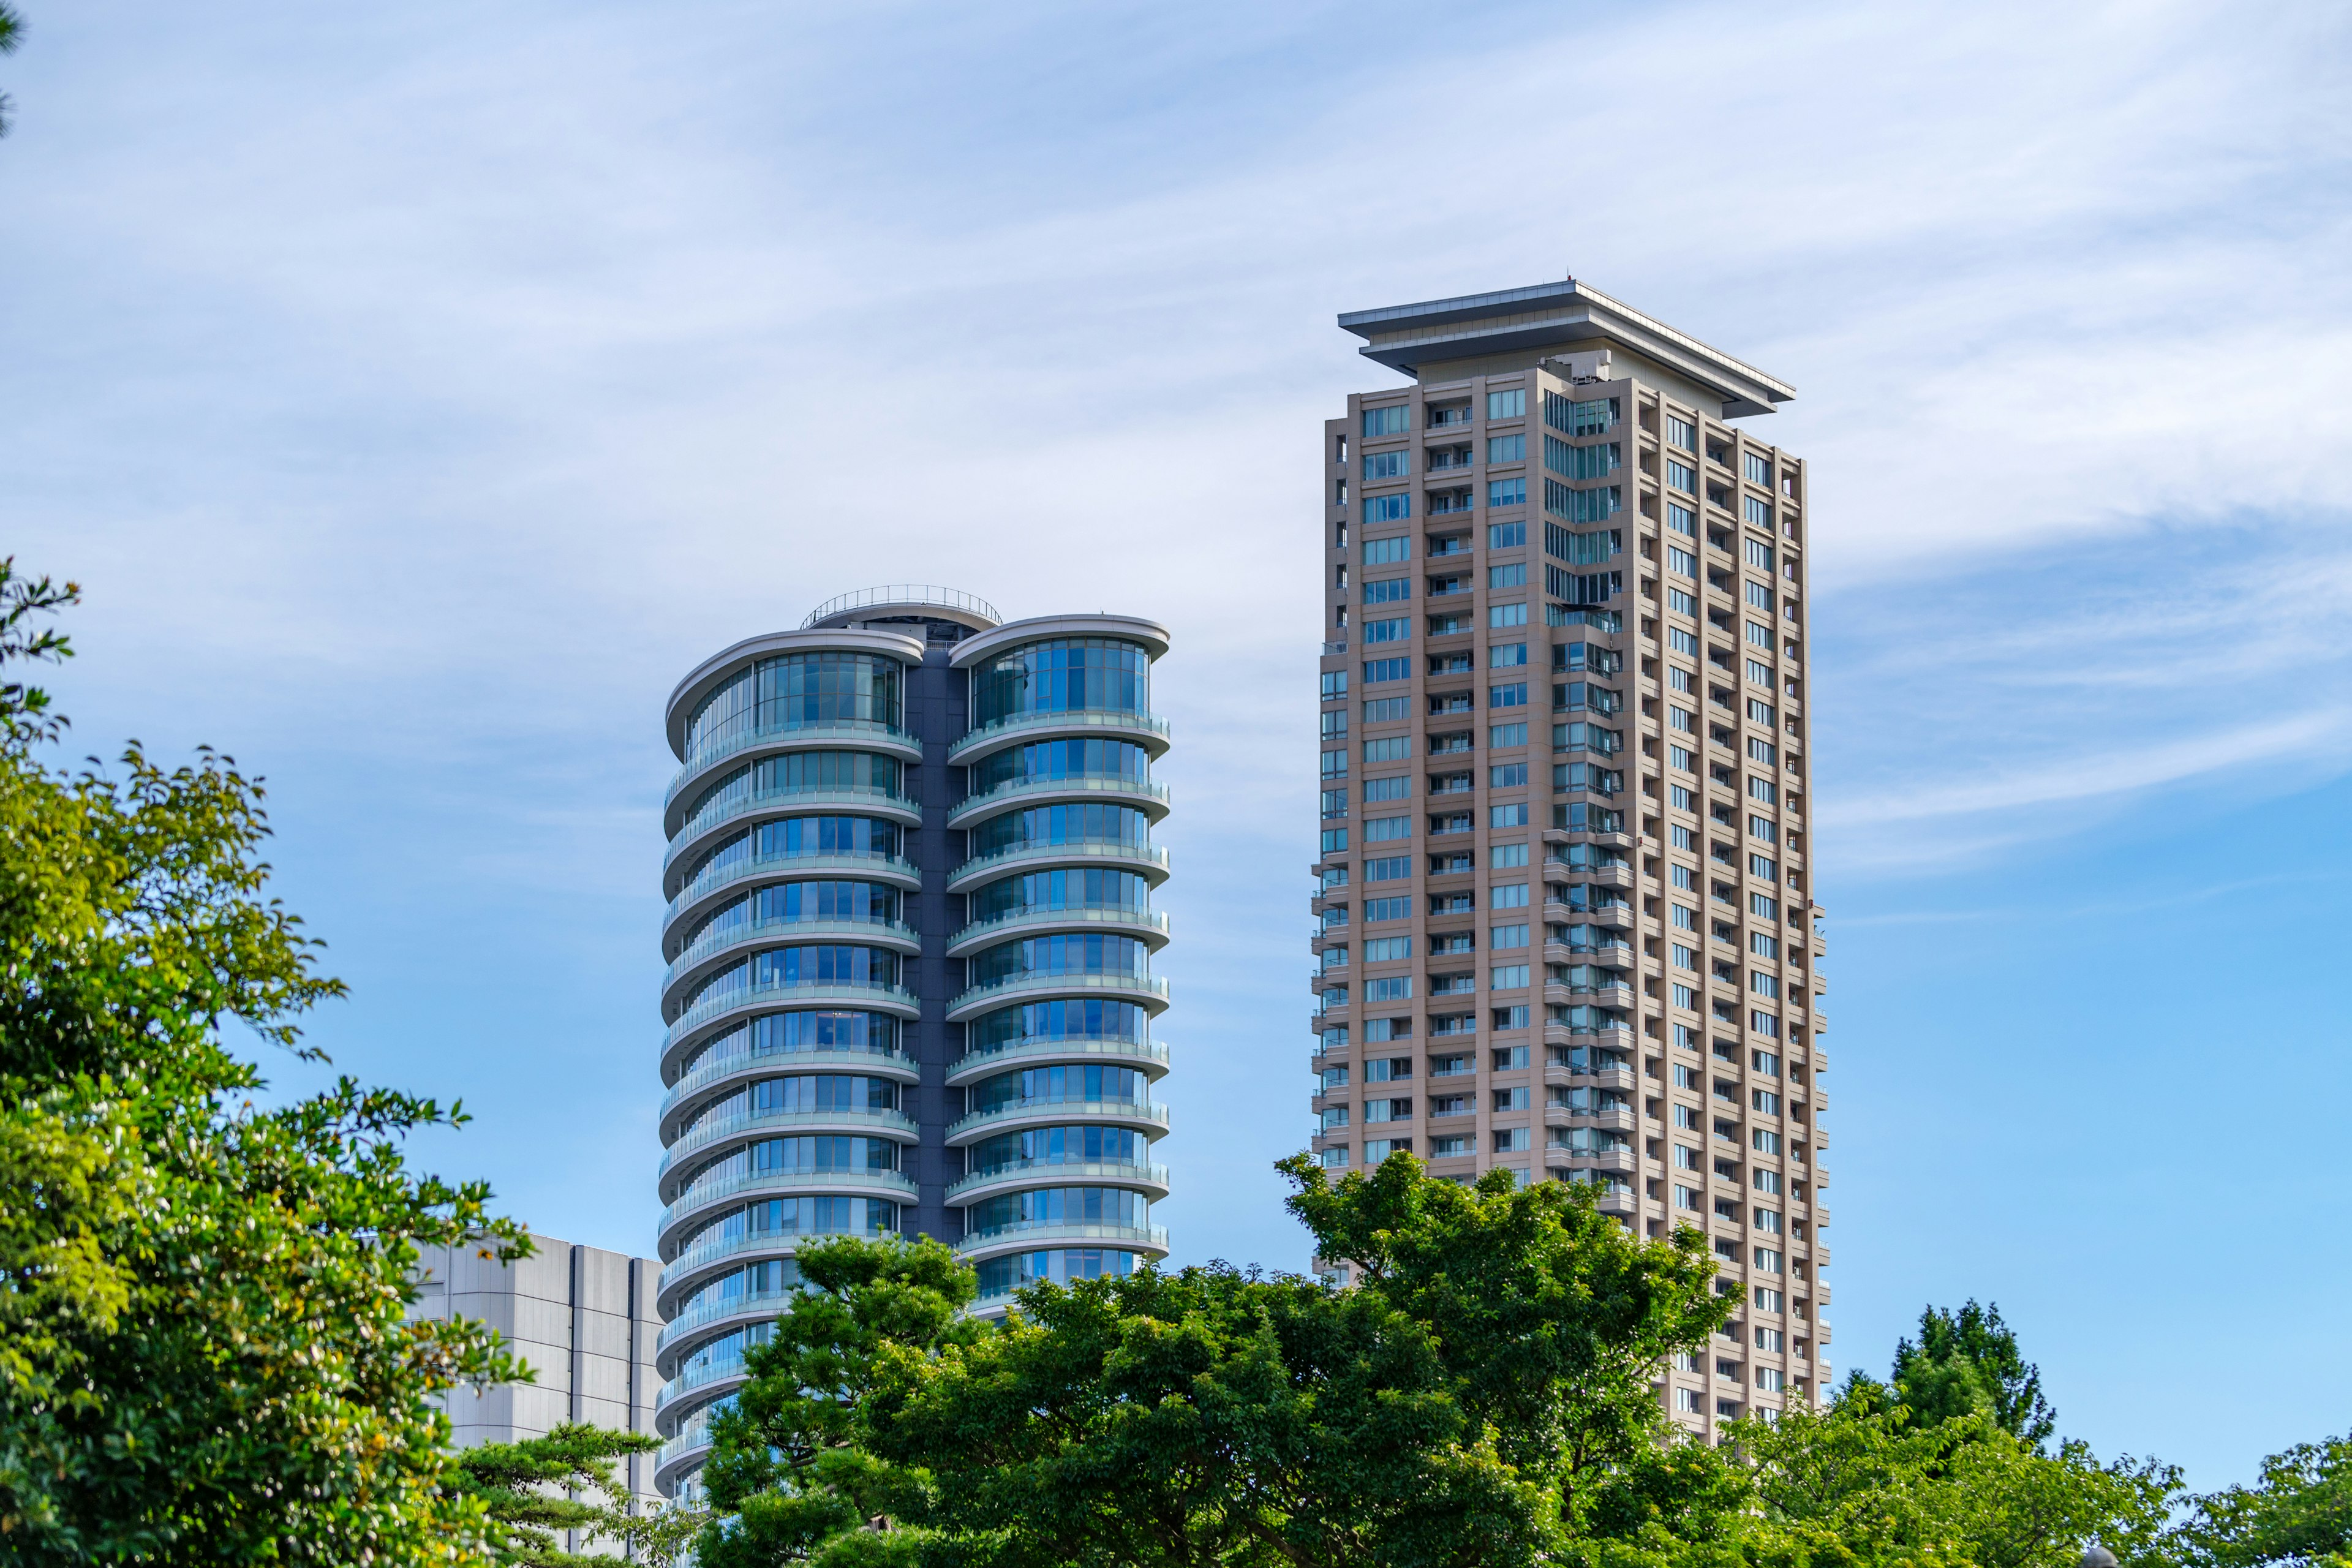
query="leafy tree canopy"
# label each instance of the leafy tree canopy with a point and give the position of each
(205, 1356)
(2299, 1512)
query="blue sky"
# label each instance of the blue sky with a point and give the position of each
(418, 391)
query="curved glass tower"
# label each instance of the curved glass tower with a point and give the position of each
(909, 941)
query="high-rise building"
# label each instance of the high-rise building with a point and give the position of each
(909, 941)
(1564, 922)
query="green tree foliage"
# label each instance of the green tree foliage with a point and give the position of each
(787, 1461)
(2300, 1513)
(1550, 1320)
(1965, 1362)
(1205, 1417)
(1876, 1486)
(512, 1481)
(11, 34)
(204, 1351)
(1467, 1404)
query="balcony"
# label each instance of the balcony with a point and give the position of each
(715, 1069)
(693, 835)
(1149, 1120)
(713, 887)
(1034, 1235)
(1149, 1180)
(1147, 926)
(1148, 862)
(1148, 991)
(714, 950)
(709, 1135)
(1146, 796)
(703, 1196)
(731, 1005)
(1147, 729)
(1148, 1057)
(754, 1305)
(853, 734)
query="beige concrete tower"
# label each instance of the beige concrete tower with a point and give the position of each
(1563, 909)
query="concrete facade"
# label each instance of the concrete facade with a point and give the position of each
(1564, 910)
(584, 1321)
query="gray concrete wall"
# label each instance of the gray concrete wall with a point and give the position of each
(580, 1318)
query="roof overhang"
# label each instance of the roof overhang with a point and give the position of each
(1568, 314)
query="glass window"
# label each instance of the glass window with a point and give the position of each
(799, 690)
(1388, 509)
(1506, 614)
(1381, 552)
(1507, 449)
(1508, 405)
(1514, 575)
(1506, 492)
(1066, 675)
(1681, 433)
(1394, 465)
(1394, 420)
(1505, 535)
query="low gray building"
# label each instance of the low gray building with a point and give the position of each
(584, 1321)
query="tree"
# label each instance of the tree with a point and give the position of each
(511, 1480)
(2299, 1512)
(207, 1355)
(1968, 1362)
(1206, 1416)
(11, 34)
(1866, 1486)
(1550, 1320)
(785, 1461)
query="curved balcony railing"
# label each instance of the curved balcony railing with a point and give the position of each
(1038, 1234)
(894, 1125)
(700, 1197)
(892, 935)
(1056, 1173)
(1148, 990)
(692, 835)
(717, 1370)
(1148, 926)
(903, 594)
(867, 734)
(970, 1129)
(1148, 860)
(692, 1438)
(718, 1309)
(1013, 1054)
(889, 998)
(1141, 793)
(718, 1068)
(769, 867)
(700, 1259)
(1147, 729)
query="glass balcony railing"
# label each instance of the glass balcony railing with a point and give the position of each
(769, 867)
(890, 998)
(711, 1069)
(1013, 790)
(754, 933)
(1148, 728)
(1057, 1172)
(734, 741)
(892, 1124)
(693, 834)
(1144, 857)
(1089, 1110)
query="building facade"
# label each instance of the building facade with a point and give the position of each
(1564, 920)
(580, 1318)
(910, 987)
